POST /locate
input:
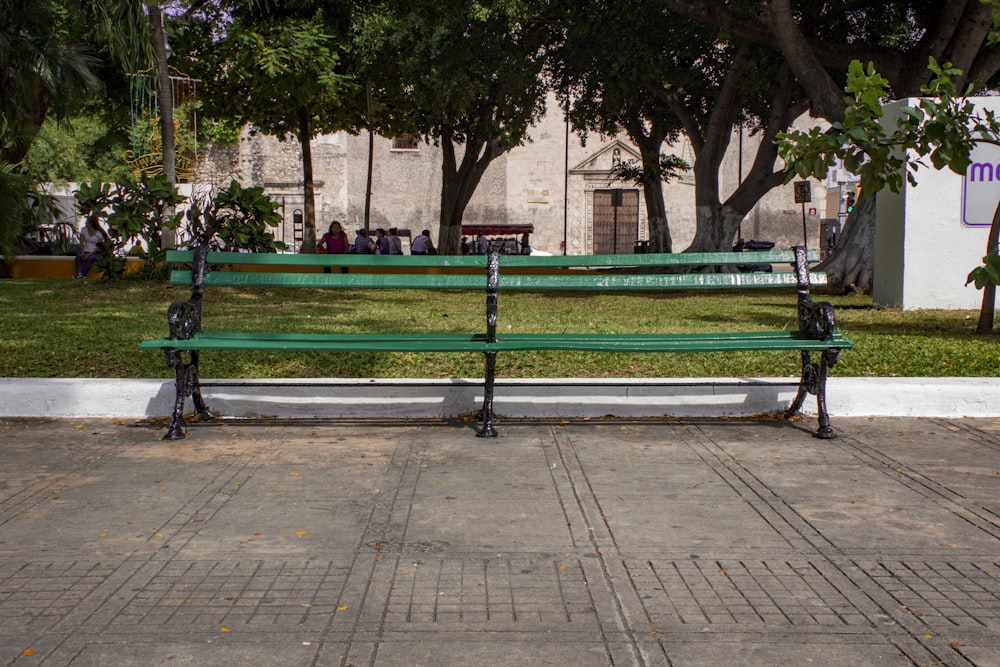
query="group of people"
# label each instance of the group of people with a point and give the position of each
(335, 242)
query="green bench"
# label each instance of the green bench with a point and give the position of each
(622, 273)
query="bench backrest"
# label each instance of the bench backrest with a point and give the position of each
(613, 272)
(517, 272)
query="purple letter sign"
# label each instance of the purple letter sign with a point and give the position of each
(981, 186)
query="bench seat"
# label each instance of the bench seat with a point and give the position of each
(509, 342)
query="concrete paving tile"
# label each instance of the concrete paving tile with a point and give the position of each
(892, 528)
(487, 651)
(692, 524)
(489, 524)
(220, 652)
(751, 652)
(647, 543)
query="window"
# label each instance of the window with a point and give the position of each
(406, 142)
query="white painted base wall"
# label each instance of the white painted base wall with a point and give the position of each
(695, 397)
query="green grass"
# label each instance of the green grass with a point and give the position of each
(58, 328)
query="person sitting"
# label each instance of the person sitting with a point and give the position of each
(92, 235)
(422, 245)
(334, 242)
(395, 243)
(362, 244)
(382, 245)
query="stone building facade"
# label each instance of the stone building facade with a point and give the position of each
(556, 183)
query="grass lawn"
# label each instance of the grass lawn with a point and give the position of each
(60, 328)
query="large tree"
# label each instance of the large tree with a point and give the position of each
(820, 39)
(465, 76)
(661, 73)
(280, 74)
(600, 77)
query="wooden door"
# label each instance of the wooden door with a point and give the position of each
(616, 221)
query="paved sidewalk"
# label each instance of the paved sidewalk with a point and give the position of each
(600, 542)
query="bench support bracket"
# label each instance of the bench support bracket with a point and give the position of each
(486, 416)
(186, 383)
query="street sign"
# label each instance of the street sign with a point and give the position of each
(803, 192)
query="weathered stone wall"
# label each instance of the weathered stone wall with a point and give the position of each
(527, 185)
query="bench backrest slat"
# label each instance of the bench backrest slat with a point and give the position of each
(310, 260)
(656, 281)
(344, 280)
(506, 261)
(573, 281)
(656, 259)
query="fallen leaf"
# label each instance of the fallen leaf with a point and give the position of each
(301, 532)
(224, 629)
(28, 651)
(294, 474)
(928, 636)
(343, 607)
(103, 535)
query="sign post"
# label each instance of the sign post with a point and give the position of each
(803, 195)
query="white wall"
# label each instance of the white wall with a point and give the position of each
(924, 244)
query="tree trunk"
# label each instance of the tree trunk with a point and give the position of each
(309, 190)
(849, 266)
(716, 228)
(458, 184)
(165, 102)
(988, 309)
(659, 226)
(652, 192)
(649, 138)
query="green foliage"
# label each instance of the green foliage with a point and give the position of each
(670, 166)
(137, 213)
(942, 127)
(272, 70)
(80, 149)
(14, 214)
(987, 274)
(236, 218)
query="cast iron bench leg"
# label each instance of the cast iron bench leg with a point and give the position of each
(825, 431)
(800, 396)
(175, 360)
(813, 381)
(486, 414)
(204, 414)
(186, 383)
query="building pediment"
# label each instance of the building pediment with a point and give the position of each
(605, 159)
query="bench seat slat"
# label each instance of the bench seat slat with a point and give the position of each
(714, 342)
(293, 342)
(432, 342)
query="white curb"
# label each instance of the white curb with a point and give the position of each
(580, 397)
